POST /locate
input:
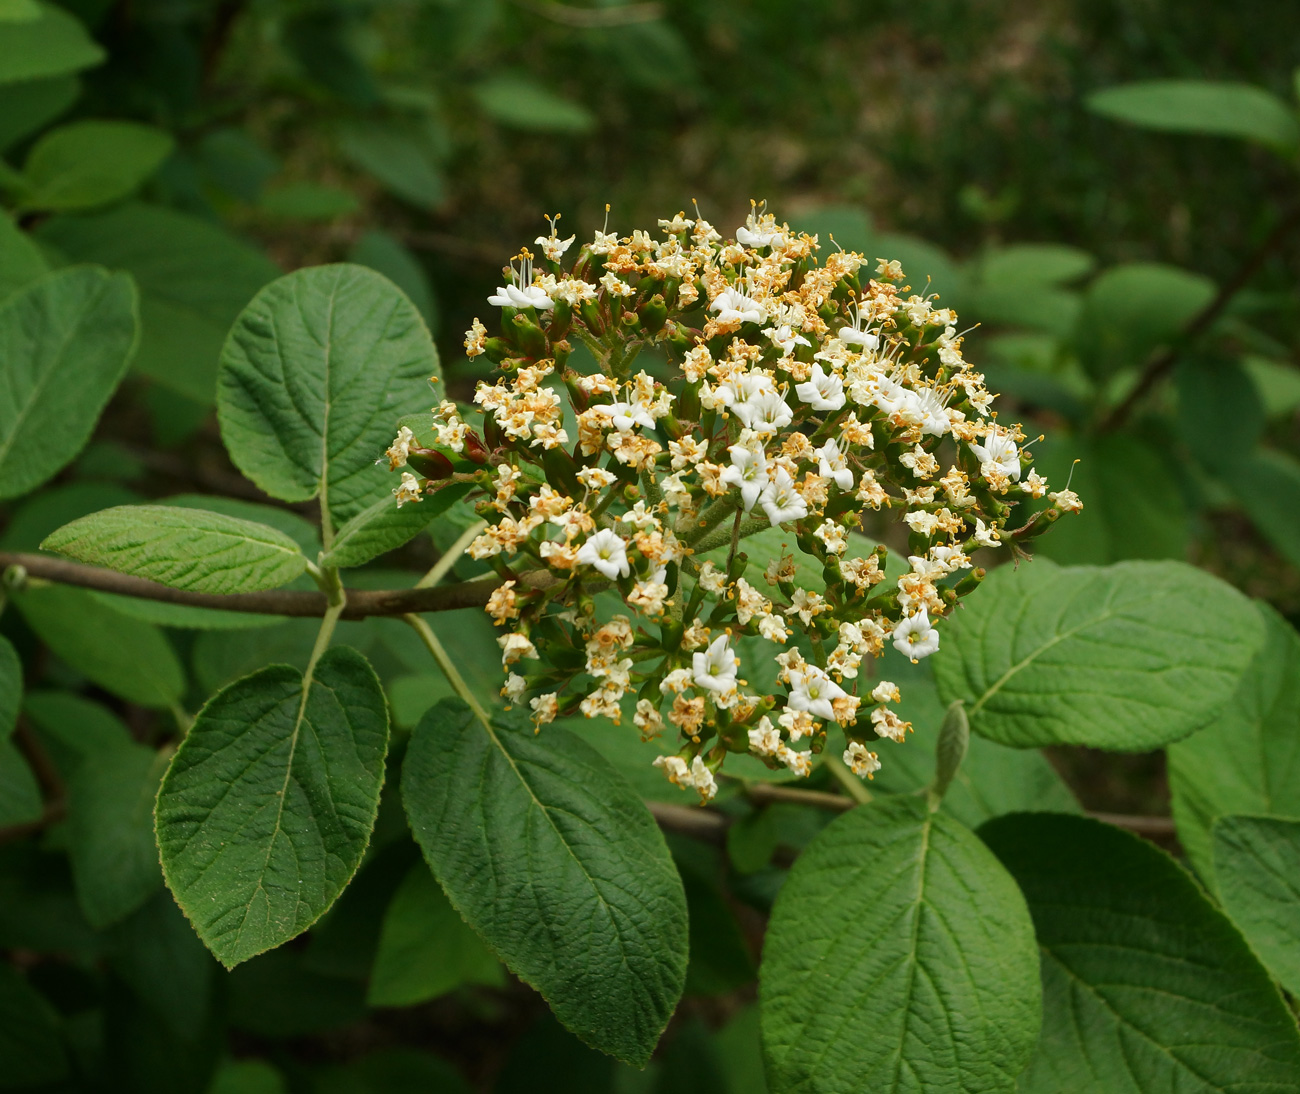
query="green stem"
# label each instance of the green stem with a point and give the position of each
(713, 516)
(449, 670)
(336, 600)
(719, 536)
(451, 556)
(851, 783)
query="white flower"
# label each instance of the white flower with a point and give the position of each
(759, 230)
(408, 490)
(781, 501)
(764, 738)
(764, 412)
(797, 762)
(521, 292)
(702, 779)
(748, 471)
(625, 415)
(515, 646)
(553, 246)
(1067, 500)
(999, 451)
(679, 774)
(812, 690)
(861, 762)
(857, 334)
(822, 391)
(785, 338)
(930, 412)
(732, 305)
(985, 535)
(832, 464)
(515, 687)
(914, 637)
(594, 478)
(886, 692)
(399, 449)
(675, 682)
(607, 551)
(714, 669)
(832, 535)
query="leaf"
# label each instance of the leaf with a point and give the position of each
(267, 808)
(384, 254)
(1220, 414)
(1130, 310)
(20, 262)
(1129, 657)
(1211, 107)
(11, 687)
(521, 103)
(425, 948)
(32, 104)
(1034, 265)
(125, 656)
(399, 159)
(315, 374)
(110, 822)
(89, 163)
(1145, 985)
(247, 1077)
(1276, 383)
(899, 957)
(194, 279)
(31, 1050)
(307, 201)
(20, 794)
(182, 548)
(382, 527)
(52, 45)
(73, 729)
(557, 865)
(65, 341)
(1267, 485)
(1246, 760)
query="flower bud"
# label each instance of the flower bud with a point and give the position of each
(561, 320)
(475, 449)
(654, 313)
(430, 463)
(531, 339)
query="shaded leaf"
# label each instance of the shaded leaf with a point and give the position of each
(31, 1050)
(1214, 108)
(90, 163)
(52, 45)
(1267, 484)
(523, 104)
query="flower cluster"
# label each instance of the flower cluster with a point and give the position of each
(793, 389)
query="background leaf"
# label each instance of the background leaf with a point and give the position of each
(1247, 760)
(1145, 985)
(521, 103)
(183, 548)
(31, 1051)
(316, 371)
(90, 163)
(581, 899)
(20, 795)
(1128, 657)
(20, 261)
(899, 957)
(1215, 108)
(66, 341)
(52, 45)
(1267, 484)
(267, 808)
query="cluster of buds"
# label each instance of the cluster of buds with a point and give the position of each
(790, 390)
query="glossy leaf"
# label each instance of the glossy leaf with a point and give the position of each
(267, 808)
(425, 948)
(125, 656)
(1145, 985)
(1128, 657)
(66, 340)
(52, 45)
(1247, 760)
(1214, 108)
(315, 373)
(184, 548)
(1257, 873)
(899, 957)
(556, 864)
(91, 163)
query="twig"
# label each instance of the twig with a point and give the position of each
(1164, 361)
(362, 603)
(622, 16)
(771, 793)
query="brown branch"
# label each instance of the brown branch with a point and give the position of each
(1163, 362)
(288, 602)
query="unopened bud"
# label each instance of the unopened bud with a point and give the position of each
(430, 463)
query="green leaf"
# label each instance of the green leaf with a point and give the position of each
(32, 104)
(425, 948)
(1129, 657)
(74, 729)
(382, 253)
(66, 341)
(1277, 384)
(315, 374)
(521, 103)
(1130, 310)
(125, 656)
(31, 1050)
(399, 159)
(899, 957)
(1245, 760)
(1214, 108)
(1145, 985)
(554, 861)
(110, 822)
(11, 687)
(397, 1071)
(1220, 414)
(52, 45)
(20, 262)
(20, 794)
(182, 548)
(1257, 873)
(194, 279)
(1034, 264)
(247, 1077)
(90, 163)
(267, 808)
(383, 527)
(1267, 485)
(307, 201)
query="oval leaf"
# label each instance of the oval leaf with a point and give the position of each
(1257, 869)
(1246, 760)
(54, 44)
(1145, 985)
(556, 863)
(184, 548)
(899, 957)
(315, 374)
(92, 163)
(1128, 657)
(267, 808)
(383, 527)
(1215, 108)
(65, 341)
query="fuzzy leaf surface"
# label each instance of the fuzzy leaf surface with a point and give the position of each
(556, 863)
(382, 527)
(899, 957)
(1129, 657)
(267, 808)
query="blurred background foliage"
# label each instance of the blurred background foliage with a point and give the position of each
(1134, 287)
